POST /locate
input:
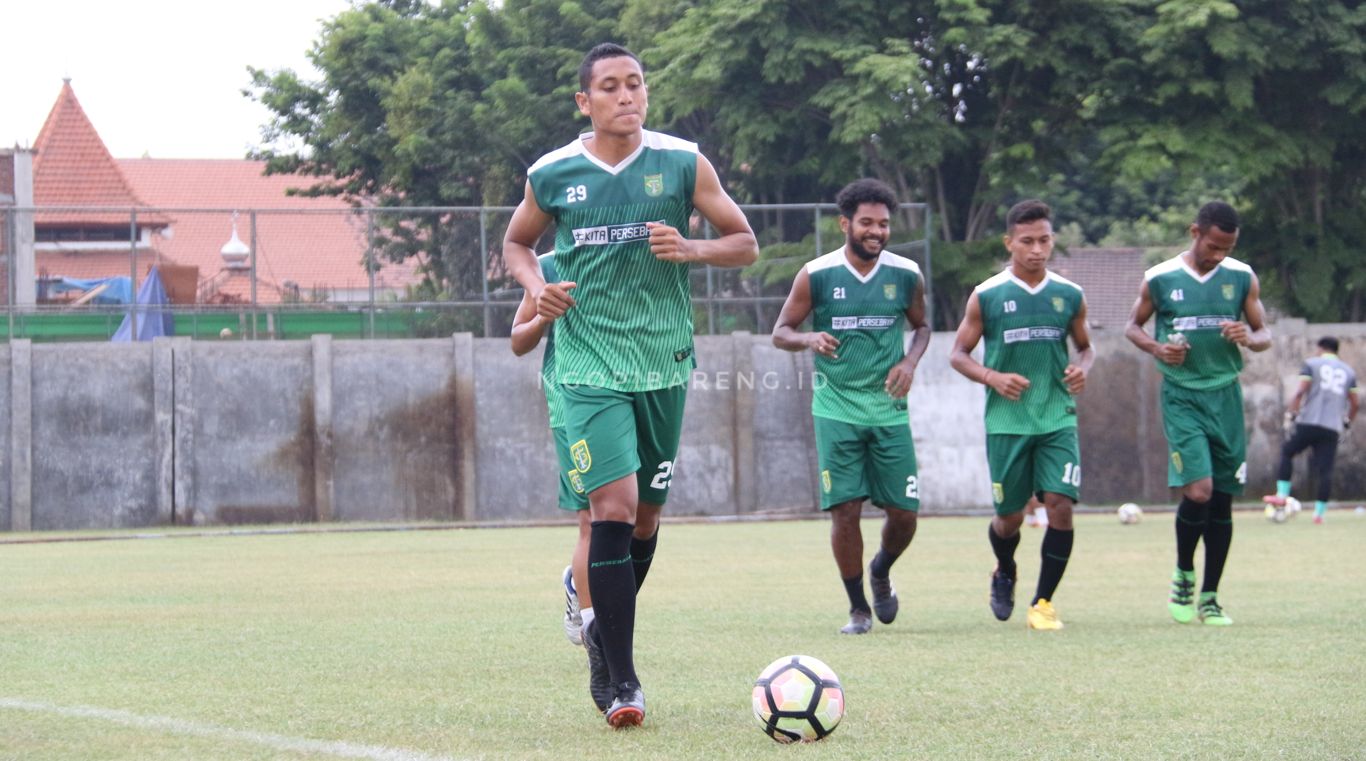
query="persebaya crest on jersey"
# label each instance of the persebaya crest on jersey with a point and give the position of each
(631, 328)
(1197, 306)
(1025, 329)
(867, 313)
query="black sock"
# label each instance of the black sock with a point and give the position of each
(1005, 551)
(614, 596)
(882, 563)
(1190, 524)
(1218, 537)
(1056, 549)
(854, 588)
(642, 552)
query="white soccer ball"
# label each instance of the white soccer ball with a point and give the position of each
(1276, 514)
(798, 699)
(1129, 513)
(1292, 506)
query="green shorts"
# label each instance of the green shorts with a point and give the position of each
(1205, 436)
(572, 495)
(613, 434)
(1022, 465)
(860, 462)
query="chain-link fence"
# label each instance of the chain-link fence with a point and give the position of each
(82, 273)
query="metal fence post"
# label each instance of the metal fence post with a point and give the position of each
(370, 264)
(133, 270)
(816, 226)
(11, 269)
(711, 287)
(484, 264)
(252, 217)
(929, 272)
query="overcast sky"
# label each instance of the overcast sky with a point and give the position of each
(156, 77)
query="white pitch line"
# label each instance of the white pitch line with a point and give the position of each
(196, 729)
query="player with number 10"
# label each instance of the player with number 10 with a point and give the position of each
(1025, 314)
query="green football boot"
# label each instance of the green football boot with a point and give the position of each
(1182, 600)
(1210, 612)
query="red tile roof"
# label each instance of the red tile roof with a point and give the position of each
(92, 265)
(72, 167)
(315, 243)
(1110, 278)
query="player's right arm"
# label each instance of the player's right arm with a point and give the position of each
(1172, 354)
(786, 333)
(528, 327)
(528, 223)
(1301, 392)
(1009, 385)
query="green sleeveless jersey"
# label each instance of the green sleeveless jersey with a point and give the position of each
(1196, 307)
(554, 406)
(1026, 330)
(631, 328)
(868, 316)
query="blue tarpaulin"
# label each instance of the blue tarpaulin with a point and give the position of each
(118, 290)
(152, 322)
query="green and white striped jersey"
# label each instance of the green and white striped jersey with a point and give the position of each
(554, 406)
(632, 326)
(868, 316)
(1197, 306)
(1025, 330)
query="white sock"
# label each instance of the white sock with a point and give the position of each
(588, 616)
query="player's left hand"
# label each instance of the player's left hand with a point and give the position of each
(669, 245)
(1236, 332)
(898, 382)
(1075, 379)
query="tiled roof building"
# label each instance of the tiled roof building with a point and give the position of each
(1110, 278)
(305, 247)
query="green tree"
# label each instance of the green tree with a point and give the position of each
(423, 105)
(1270, 93)
(964, 104)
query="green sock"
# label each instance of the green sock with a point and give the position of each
(1282, 488)
(1320, 508)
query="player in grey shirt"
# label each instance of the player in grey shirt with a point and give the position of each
(1324, 406)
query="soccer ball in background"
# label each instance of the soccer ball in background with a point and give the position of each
(1292, 506)
(798, 699)
(1129, 513)
(1276, 513)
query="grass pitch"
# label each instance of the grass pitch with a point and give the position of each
(417, 645)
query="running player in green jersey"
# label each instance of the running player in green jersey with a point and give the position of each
(528, 328)
(1026, 314)
(620, 198)
(1200, 299)
(860, 297)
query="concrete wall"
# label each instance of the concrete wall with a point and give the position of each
(184, 432)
